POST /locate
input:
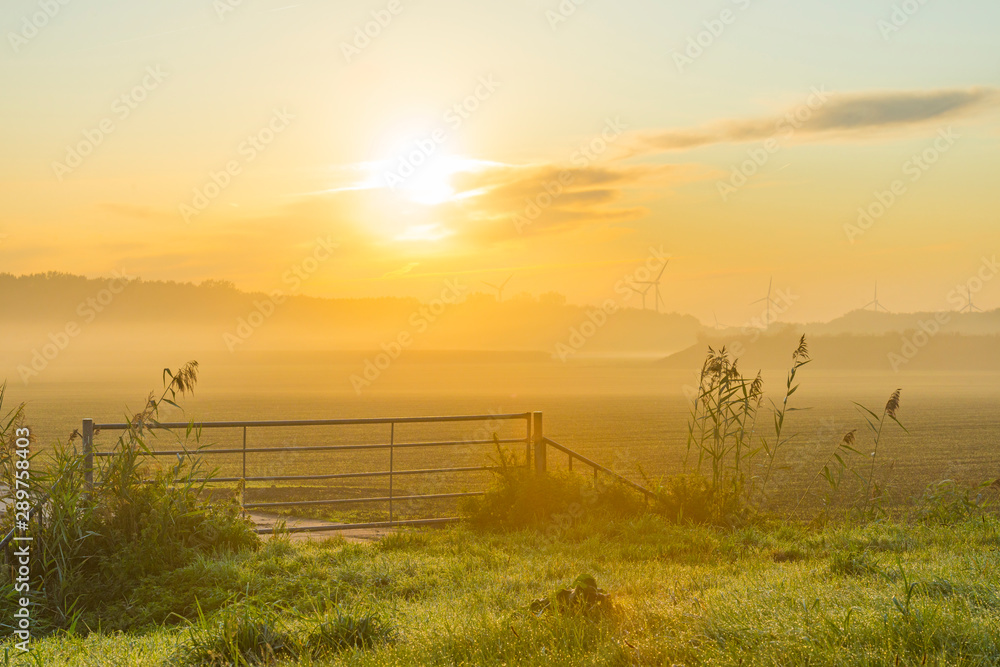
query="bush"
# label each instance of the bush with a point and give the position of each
(690, 497)
(338, 630)
(94, 546)
(522, 498)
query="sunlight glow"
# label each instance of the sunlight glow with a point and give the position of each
(431, 232)
(426, 179)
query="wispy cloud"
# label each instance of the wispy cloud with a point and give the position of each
(559, 198)
(855, 115)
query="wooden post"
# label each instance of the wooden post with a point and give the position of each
(539, 441)
(88, 452)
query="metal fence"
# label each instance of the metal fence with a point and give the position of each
(534, 441)
(391, 444)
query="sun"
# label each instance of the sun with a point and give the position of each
(431, 183)
(410, 189)
(426, 177)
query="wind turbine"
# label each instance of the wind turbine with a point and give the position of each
(970, 307)
(642, 292)
(656, 284)
(875, 303)
(499, 288)
(717, 325)
(767, 322)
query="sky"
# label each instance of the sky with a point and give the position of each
(820, 147)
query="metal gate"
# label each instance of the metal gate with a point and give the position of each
(242, 459)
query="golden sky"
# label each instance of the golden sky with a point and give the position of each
(554, 141)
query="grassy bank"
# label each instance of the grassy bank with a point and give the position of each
(922, 593)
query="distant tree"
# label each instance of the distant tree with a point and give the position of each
(552, 299)
(481, 299)
(523, 297)
(218, 284)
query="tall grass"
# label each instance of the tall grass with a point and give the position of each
(875, 423)
(832, 472)
(800, 357)
(93, 544)
(721, 427)
(722, 430)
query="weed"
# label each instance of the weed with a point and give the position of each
(854, 564)
(338, 630)
(240, 636)
(947, 502)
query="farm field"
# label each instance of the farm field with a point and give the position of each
(634, 422)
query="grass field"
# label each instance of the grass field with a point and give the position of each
(881, 594)
(892, 571)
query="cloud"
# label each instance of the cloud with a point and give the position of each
(555, 198)
(825, 115)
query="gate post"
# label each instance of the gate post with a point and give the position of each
(88, 453)
(539, 441)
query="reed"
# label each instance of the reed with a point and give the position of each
(876, 423)
(722, 429)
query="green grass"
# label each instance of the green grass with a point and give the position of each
(920, 593)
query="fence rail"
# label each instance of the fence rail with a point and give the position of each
(90, 429)
(649, 495)
(535, 442)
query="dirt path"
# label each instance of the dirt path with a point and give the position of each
(267, 521)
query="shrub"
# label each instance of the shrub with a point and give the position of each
(94, 546)
(339, 630)
(522, 498)
(687, 497)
